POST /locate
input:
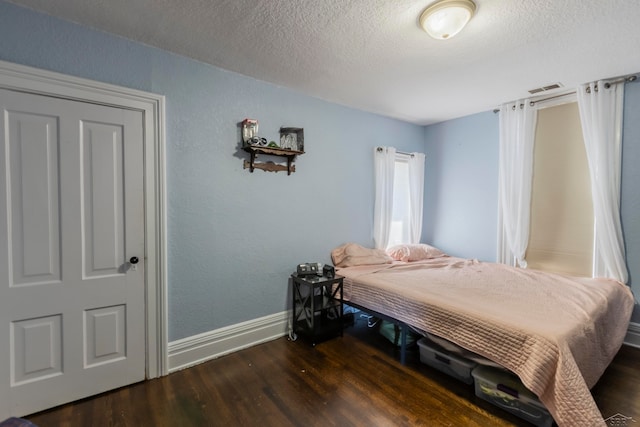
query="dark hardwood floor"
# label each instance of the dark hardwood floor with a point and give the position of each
(355, 380)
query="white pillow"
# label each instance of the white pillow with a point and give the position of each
(415, 252)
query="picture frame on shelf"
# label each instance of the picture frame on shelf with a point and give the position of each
(292, 138)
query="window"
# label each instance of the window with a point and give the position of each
(400, 216)
(561, 226)
(600, 106)
(399, 187)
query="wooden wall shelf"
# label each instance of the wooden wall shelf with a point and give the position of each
(254, 150)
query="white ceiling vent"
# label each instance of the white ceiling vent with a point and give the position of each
(545, 88)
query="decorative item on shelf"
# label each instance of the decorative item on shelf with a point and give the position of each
(250, 132)
(292, 139)
(256, 140)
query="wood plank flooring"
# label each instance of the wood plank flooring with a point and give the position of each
(354, 380)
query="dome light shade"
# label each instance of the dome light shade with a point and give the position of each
(446, 18)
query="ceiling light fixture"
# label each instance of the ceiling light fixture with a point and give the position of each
(446, 18)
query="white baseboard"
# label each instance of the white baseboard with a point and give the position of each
(199, 348)
(633, 335)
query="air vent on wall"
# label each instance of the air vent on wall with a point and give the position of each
(545, 88)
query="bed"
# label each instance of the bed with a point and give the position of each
(557, 333)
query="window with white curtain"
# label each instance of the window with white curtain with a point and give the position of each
(561, 228)
(600, 106)
(400, 214)
(399, 188)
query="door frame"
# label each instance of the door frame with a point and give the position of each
(41, 82)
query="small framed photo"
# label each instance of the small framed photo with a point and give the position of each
(292, 139)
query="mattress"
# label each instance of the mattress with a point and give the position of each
(557, 333)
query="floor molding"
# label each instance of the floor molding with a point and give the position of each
(199, 348)
(633, 335)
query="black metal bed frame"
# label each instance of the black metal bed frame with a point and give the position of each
(403, 327)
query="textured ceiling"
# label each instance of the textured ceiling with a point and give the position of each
(372, 55)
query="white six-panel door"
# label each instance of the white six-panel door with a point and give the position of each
(71, 218)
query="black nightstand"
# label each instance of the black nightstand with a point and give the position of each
(317, 307)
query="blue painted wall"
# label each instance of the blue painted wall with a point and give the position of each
(234, 237)
(630, 198)
(461, 187)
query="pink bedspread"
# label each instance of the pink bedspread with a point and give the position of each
(557, 333)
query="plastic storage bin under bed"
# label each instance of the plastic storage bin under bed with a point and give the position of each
(506, 391)
(437, 357)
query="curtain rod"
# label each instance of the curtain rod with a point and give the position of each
(381, 149)
(607, 85)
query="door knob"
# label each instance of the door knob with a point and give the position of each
(134, 260)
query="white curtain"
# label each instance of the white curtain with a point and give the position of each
(601, 118)
(515, 175)
(416, 196)
(384, 166)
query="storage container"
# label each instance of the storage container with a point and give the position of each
(435, 356)
(505, 390)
